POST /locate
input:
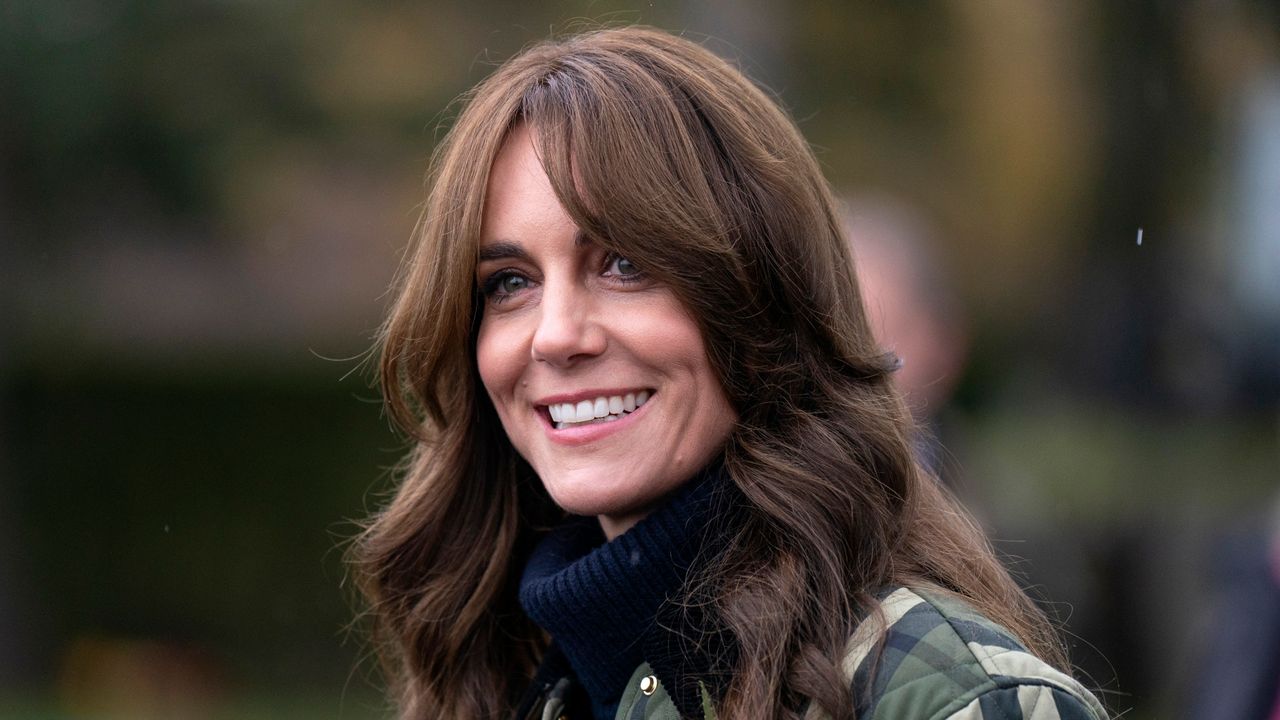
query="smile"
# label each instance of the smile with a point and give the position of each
(600, 410)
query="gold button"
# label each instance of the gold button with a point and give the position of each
(648, 684)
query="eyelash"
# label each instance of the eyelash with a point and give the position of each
(491, 287)
(634, 277)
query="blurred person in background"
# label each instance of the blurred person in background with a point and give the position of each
(912, 308)
(914, 313)
(661, 467)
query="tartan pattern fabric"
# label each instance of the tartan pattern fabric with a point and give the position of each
(940, 659)
(927, 656)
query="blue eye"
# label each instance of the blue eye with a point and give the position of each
(622, 267)
(503, 284)
(512, 283)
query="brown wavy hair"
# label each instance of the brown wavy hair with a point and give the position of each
(666, 154)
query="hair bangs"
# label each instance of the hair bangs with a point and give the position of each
(628, 157)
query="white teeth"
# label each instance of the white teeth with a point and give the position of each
(601, 409)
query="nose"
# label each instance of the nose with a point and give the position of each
(569, 328)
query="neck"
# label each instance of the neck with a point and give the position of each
(614, 525)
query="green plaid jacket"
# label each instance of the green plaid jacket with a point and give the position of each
(935, 658)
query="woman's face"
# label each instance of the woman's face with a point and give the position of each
(598, 373)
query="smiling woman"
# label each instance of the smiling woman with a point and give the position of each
(598, 373)
(659, 469)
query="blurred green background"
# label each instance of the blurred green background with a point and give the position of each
(202, 205)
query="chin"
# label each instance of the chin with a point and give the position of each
(583, 493)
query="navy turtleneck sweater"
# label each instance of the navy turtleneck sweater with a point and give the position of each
(599, 600)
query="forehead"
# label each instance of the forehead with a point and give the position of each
(522, 212)
(517, 185)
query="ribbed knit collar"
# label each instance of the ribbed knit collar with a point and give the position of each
(598, 599)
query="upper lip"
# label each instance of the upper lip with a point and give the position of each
(580, 395)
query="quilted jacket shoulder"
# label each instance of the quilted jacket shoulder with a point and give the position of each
(933, 657)
(924, 656)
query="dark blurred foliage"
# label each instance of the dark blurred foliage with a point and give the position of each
(193, 509)
(202, 205)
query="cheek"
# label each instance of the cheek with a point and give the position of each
(714, 416)
(680, 343)
(495, 363)
(673, 341)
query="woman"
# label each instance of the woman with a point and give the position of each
(659, 466)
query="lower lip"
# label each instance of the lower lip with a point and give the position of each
(583, 434)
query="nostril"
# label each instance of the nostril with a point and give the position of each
(566, 333)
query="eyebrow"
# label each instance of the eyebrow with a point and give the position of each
(505, 250)
(502, 251)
